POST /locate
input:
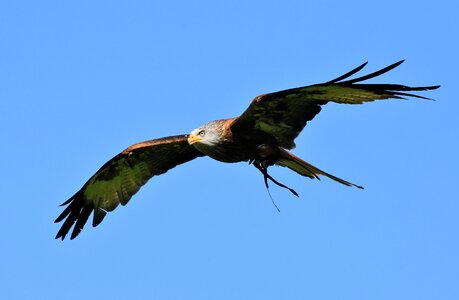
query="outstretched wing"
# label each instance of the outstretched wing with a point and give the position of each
(284, 114)
(120, 178)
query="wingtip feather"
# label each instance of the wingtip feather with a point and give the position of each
(374, 74)
(348, 74)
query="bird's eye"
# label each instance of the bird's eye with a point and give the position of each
(201, 133)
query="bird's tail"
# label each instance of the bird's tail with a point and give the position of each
(303, 168)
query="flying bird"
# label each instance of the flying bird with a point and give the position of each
(262, 136)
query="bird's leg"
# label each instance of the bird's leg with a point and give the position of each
(264, 170)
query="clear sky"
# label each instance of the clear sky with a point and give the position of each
(82, 80)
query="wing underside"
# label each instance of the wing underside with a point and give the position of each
(120, 178)
(285, 113)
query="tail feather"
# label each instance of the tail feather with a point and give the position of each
(303, 168)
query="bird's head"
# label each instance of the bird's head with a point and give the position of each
(208, 134)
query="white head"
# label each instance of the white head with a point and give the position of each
(208, 134)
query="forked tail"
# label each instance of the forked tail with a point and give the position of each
(303, 168)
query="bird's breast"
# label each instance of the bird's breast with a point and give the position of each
(228, 152)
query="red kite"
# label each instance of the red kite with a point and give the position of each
(262, 136)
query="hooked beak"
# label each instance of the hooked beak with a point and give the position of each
(192, 138)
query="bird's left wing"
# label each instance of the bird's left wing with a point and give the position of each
(285, 113)
(120, 178)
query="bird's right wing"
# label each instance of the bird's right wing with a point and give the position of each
(120, 178)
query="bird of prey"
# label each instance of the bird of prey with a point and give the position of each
(262, 136)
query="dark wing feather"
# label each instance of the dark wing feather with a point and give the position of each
(120, 178)
(285, 113)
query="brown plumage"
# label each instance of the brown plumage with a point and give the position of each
(261, 135)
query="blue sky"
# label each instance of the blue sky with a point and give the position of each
(82, 80)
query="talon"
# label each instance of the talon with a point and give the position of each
(264, 170)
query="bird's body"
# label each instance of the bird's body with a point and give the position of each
(262, 135)
(221, 143)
